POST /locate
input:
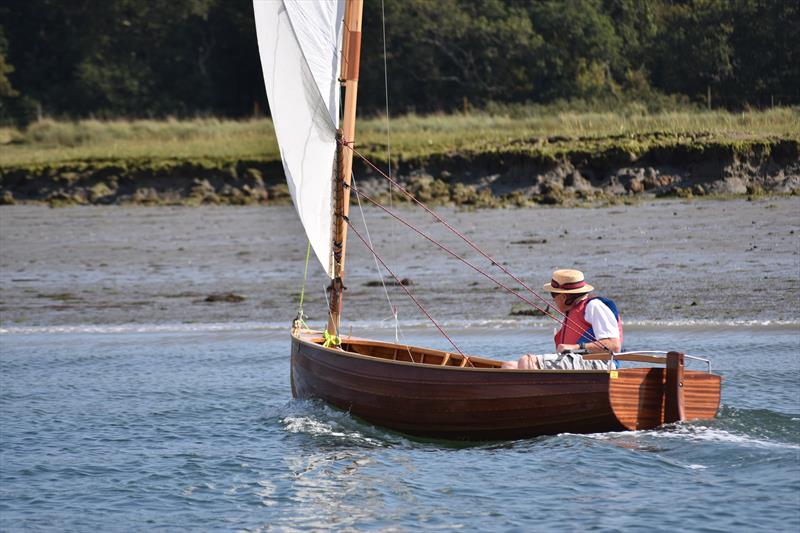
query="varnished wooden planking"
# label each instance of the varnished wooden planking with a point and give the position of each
(481, 403)
(701, 395)
(461, 404)
(637, 396)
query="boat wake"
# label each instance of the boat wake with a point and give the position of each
(709, 433)
(320, 421)
(750, 428)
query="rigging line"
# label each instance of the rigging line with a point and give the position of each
(301, 317)
(392, 307)
(386, 92)
(447, 225)
(305, 277)
(408, 292)
(465, 261)
(591, 337)
(397, 331)
(475, 247)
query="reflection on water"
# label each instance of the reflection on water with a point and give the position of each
(327, 489)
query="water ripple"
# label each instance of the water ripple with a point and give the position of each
(197, 430)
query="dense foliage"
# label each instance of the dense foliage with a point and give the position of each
(109, 58)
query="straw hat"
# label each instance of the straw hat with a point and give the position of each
(569, 282)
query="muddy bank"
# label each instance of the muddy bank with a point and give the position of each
(661, 261)
(552, 171)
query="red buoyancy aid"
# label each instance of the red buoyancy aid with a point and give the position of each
(576, 329)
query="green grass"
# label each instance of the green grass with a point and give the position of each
(51, 142)
(545, 131)
(419, 136)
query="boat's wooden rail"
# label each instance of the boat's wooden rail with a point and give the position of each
(649, 357)
(638, 358)
(430, 356)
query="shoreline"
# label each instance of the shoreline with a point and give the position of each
(557, 171)
(380, 330)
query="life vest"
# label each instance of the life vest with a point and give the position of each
(576, 329)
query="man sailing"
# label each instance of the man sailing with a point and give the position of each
(591, 324)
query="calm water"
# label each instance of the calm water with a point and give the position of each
(193, 427)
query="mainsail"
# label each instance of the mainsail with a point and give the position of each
(299, 46)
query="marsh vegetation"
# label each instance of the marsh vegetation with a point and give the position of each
(547, 130)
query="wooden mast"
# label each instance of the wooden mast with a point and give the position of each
(351, 56)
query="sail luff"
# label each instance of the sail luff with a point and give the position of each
(351, 57)
(299, 47)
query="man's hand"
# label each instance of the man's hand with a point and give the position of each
(602, 345)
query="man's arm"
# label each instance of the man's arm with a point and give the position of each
(604, 345)
(600, 345)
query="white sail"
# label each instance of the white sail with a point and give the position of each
(299, 45)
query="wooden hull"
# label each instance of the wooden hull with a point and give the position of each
(444, 398)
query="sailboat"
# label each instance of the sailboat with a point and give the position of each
(310, 53)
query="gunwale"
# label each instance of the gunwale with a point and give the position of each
(314, 338)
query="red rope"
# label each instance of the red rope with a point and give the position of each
(408, 292)
(565, 322)
(446, 249)
(474, 246)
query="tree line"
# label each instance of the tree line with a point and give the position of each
(128, 58)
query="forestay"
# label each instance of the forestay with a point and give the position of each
(299, 46)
